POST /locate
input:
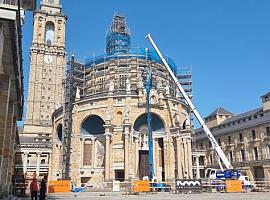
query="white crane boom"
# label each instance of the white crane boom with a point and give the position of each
(193, 109)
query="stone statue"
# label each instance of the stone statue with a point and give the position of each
(78, 93)
(144, 141)
(111, 86)
(176, 118)
(128, 85)
(178, 94)
(57, 105)
(100, 154)
(126, 113)
(167, 90)
(159, 84)
(108, 115)
(140, 80)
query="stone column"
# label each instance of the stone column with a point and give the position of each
(25, 158)
(197, 167)
(93, 153)
(126, 126)
(247, 154)
(8, 147)
(155, 159)
(107, 156)
(186, 171)
(179, 157)
(136, 157)
(4, 100)
(126, 159)
(189, 158)
(38, 163)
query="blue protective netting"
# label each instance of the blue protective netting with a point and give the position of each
(117, 42)
(136, 53)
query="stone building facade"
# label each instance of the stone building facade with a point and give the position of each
(244, 138)
(45, 91)
(109, 139)
(11, 86)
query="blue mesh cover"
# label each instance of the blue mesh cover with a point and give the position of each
(140, 53)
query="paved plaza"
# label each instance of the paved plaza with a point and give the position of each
(163, 196)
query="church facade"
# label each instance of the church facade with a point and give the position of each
(109, 136)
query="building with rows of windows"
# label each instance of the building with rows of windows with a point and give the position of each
(245, 139)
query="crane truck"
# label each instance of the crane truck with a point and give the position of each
(229, 172)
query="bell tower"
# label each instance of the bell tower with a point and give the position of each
(47, 62)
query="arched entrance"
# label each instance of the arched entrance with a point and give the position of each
(141, 129)
(93, 141)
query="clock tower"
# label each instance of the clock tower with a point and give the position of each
(47, 62)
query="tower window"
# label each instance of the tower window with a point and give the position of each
(42, 161)
(241, 137)
(256, 155)
(49, 33)
(243, 158)
(231, 156)
(267, 131)
(253, 134)
(229, 139)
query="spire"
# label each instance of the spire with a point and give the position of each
(118, 36)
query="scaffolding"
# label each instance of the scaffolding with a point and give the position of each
(74, 80)
(119, 63)
(184, 75)
(118, 36)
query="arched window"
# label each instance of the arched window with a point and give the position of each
(60, 132)
(42, 161)
(49, 33)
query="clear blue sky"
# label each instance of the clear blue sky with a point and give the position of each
(226, 42)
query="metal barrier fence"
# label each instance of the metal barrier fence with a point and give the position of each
(261, 185)
(207, 186)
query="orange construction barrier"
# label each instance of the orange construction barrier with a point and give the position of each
(233, 186)
(141, 186)
(59, 186)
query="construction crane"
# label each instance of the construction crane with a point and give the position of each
(148, 86)
(193, 109)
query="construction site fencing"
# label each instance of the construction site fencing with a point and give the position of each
(206, 186)
(261, 185)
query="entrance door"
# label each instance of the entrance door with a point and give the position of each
(143, 164)
(258, 172)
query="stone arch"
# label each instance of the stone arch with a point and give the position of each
(59, 132)
(49, 33)
(141, 130)
(158, 124)
(93, 133)
(92, 125)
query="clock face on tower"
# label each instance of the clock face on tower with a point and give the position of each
(48, 59)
